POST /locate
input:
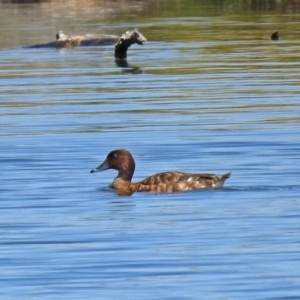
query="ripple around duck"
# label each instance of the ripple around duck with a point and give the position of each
(274, 188)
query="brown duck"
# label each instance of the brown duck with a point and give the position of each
(166, 182)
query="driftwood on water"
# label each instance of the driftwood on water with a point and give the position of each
(121, 43)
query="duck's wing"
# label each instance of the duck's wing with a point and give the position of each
(164, 177)
(202, 180)
(181, 181)
(174, 176)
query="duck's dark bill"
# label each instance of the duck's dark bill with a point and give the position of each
(102, 167)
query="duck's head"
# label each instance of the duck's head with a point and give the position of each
(120, 160)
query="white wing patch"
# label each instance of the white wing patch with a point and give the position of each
(218, 184)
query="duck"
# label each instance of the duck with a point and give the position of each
(165, 182)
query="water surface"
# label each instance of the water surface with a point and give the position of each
(214, 95)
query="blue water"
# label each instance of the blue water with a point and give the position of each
(65, 234)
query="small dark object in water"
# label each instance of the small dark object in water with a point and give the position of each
(275, 36)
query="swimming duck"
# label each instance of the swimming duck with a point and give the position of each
(166, 182)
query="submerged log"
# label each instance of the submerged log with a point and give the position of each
(121, 43)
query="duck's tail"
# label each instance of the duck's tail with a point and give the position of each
(225, 176)
(220, 180)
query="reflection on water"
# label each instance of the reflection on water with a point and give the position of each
(127, 68)
(171, 7)
(114, 17)
(210, 93)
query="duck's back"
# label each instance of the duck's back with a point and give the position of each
(179, 181)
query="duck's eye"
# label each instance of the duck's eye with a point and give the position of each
(113, 155)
